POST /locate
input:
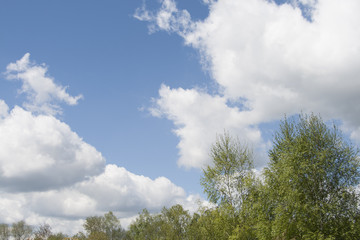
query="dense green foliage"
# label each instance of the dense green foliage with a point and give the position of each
(308, 191)
(310, 181)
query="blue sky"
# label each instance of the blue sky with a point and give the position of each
(158, 80)
(104, 53)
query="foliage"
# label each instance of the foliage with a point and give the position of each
(57, 236)
(224, 182)
(104, 227)
(146, 226)
(4, 231)
(21, 231)
(79, 236)
(310, 182)
(43, 232)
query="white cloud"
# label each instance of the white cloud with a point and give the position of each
(48, 174)
(270, 60)
(198, 117)
(116, 189)
(41, 152)
(120, 190)
(4, 109)
(42, 93)
(167, 18)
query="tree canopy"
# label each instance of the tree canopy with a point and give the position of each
(224, 181)
(311, 180)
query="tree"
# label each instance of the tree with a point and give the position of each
(112, 227)
(310, 183)
(215, 223)
(97, 236)
(57, 236)
(4, 231)
(225, 181)
(146, 226)
(43, 232)
(175, 222)
(107, 225)
(21, 231)
(79, 236)
(94, 224)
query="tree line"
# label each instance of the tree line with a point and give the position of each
(307, 191)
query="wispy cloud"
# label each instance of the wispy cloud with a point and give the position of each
(168, 18)
(43, 94)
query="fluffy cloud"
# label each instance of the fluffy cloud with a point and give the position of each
(48, 174)
(41, 152)
(198, 117)
(116, 189)
(119, 190)
(42, 93)
(269, 60)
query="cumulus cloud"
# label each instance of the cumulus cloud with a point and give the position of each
(198, 117)
(41, 152)
(43, 94)
(120, 190)
(269, 60)
(115, 189)
(49, 174)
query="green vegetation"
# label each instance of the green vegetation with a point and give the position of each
(308, 191)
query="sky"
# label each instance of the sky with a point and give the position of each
(113, 105)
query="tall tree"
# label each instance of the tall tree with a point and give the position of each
(4, 231)
(225, 180)
(21, 231)
(311, 182)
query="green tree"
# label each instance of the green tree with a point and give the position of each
(21, 231)
(112, 227)
(171, 223)
(146, 226)
(94, 224)
(215, 223)
(79, 236)
(225, 181)
(108, 224)
(57, 236)
(175, 222)
(310, 183)
(4, 231)
(97, 236)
